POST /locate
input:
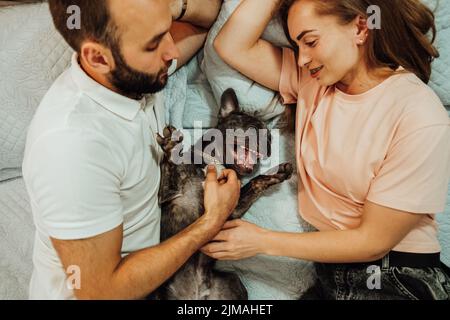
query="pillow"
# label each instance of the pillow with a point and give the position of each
(33, 55)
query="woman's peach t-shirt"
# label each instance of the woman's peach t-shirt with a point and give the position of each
(389, 145)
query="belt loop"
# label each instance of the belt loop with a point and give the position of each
(385, 262)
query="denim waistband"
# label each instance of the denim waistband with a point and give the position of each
(407, 259)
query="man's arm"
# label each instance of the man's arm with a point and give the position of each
(105, 275)
(190, 32)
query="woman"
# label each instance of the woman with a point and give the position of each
(372, 144)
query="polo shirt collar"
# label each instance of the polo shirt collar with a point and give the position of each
(118, 104)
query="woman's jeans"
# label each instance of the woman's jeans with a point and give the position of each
(379, 282)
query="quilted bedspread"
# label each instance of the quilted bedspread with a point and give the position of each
(441, 67)
(32, 55)
(16, 240)
(30, 61)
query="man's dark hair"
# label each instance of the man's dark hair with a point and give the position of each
(96, 22)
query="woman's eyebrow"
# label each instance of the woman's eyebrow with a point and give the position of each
(302, 34)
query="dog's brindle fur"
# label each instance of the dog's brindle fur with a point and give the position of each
(181, 200)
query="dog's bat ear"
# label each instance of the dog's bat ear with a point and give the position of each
(229, 103)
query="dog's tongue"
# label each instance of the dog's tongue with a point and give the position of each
(246, 158)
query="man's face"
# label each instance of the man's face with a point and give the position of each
(145, 50)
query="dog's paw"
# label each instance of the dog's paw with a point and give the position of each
(171, 137)
(285, 171)
(272, 177)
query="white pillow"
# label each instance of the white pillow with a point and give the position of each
(32, 56)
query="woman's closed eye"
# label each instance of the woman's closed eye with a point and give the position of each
(311, 44)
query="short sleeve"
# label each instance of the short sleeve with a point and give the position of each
(415, 173)
(289, 79)
(74, 184)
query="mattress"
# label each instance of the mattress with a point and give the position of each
(259, 274)
(16, 238)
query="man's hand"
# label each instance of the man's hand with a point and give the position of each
(221, 195)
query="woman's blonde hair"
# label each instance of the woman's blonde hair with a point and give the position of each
(405, 38)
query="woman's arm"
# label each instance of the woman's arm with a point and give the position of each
(201, 13)
(189, 39)
(240, 46)
(190, 32)
(381, 230)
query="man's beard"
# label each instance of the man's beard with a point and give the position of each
(132, 83)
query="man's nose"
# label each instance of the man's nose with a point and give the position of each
(171, 51)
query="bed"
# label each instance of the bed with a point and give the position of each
(32, 55)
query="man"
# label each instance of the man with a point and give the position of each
(91, 163)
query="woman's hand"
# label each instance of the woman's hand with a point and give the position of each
(237, 240)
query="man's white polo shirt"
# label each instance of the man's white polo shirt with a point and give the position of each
(91, 164)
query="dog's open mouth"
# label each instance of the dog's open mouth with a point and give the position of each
(245, 159)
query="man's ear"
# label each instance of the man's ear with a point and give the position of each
(228, 103)
(97, 57)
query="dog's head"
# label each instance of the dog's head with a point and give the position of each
(246, 138)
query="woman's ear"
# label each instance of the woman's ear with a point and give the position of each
(362, 30)
(97, 57)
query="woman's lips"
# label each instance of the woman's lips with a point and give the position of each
(315, 72)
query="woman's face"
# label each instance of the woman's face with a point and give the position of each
(330, 51)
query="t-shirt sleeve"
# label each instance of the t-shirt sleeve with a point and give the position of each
(74, 182)
(289, 79)
(415, 173)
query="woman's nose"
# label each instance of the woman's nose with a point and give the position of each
(303, 58)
